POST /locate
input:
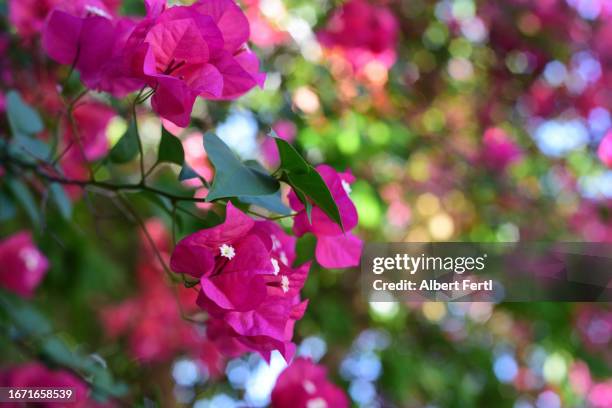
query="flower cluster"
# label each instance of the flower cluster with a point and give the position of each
(180, 52)
(247, 284)
(362, 33)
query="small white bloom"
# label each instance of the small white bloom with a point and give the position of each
(29, 257)
(316, 403)
(346, 186)
(285, 283)
(275, 242)
(97, 11)
(275, 265)
(283, 258)
(309, 387)
(227, 251)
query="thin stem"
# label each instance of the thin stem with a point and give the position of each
(148, 172)
(174, 223)
(144, 230)
(140, 149)
(278, 217)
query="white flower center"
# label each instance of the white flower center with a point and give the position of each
(227, 251)
(275, 265)
(285, 283)
(316, 403)
(283, 258)
(347, 187)
(276, 244)
(29, 257)
(309, 387)
(97, 11)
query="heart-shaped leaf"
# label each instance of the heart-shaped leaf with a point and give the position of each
(232, 177)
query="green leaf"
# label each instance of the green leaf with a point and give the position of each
(7, 208)
(306, 182)
(272, 202)
(22, 118)
(304, 249)
(290, 159)
(61, 200)
(29, 148)
(127, 147)
(22, 194)
(187, 173)
(27, 320)
(170, 149)
(232, 177)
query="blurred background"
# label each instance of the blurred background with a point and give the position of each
(461, 120)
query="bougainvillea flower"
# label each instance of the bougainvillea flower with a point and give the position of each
(246, 281)
(498, 149)
(88, 35)
(91, 120)
(362, 32)
(264, 32)
(188, 51)
(28, 16)
(605, 150)
(304, 384)
(335, 248)
(23, 265)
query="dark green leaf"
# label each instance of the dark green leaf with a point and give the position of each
(306, 182)
(187, 173)
(312, 186)
(61, 200)
(22, 118)
(170, 149)
(232, 177)
(7, 208)
(304, 249)
(23, 195)
(290, 159)
(127, 147)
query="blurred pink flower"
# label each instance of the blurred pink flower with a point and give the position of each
(245, 280)
(92, 119)
(284, 129)
(88, 35)
(23, 265)
(263, 32)
(187, 51)
(580, 377)
(91, 122)
(592, 220)
(28, 16)
(595, 328)
(605, 150)
(31, 375)
(600, 395)
(335, 248)
(498, 149)
(304, 384)
(362, 32)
